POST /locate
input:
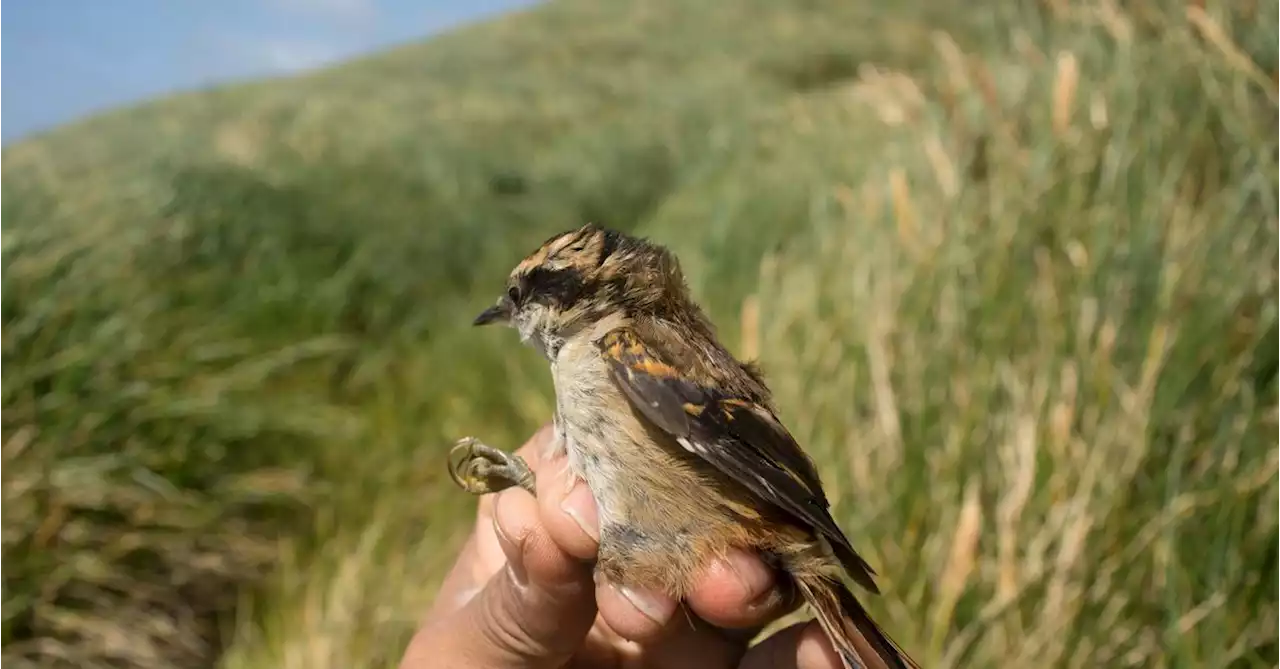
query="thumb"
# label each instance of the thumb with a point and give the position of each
(533, 614)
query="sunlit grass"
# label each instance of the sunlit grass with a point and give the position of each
(1023, 391)
(1013, 281)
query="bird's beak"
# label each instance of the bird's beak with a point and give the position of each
(498, 313)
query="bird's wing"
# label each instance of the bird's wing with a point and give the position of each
(741, 438)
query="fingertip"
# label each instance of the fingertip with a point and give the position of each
(580, 505)
(512, 523)
(814, 650)
(515, 513)
(737, 590)
(535, 611)
(531, 551)
(569, 513)
(632, 613)
(800, 646)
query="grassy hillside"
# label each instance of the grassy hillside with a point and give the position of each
(1012, 275)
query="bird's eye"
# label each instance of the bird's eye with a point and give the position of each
(513, 294)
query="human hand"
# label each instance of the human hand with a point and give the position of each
(522, 596)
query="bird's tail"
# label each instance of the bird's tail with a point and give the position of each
(860, 643)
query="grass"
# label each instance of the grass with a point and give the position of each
(1012, 276)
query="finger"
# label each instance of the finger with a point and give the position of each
(568, 509)
(740, 591)
(461, 584)
(481, 556)
(800, 646)
(489, 555)
(602, 650)
(690, 643)
(534, 613)
(635, 614)
(532, 451)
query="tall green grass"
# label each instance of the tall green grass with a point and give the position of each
(1047, 392)
(1012, 276)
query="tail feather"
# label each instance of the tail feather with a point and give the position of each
(860, 643)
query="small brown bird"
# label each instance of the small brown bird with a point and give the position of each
(677, 440)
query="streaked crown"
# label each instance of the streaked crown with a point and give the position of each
(587, 273)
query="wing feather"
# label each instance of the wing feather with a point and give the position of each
(738, 436)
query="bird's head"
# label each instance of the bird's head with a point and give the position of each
(580, 277)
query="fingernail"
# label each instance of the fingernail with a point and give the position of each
(577, 518)
(753, 576)
(578, 504)
(654, 607)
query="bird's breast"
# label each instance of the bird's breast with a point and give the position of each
(640, 476)
(590, 410)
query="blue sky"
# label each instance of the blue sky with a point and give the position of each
(65, 59)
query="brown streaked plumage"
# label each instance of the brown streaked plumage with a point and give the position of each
(677, 439)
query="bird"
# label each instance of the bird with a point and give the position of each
(679, 441)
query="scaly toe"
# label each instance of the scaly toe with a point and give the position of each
(481, 469)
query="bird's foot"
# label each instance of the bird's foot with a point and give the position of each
(481, 469)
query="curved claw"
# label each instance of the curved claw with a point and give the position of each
(466, 446)
(481, 469)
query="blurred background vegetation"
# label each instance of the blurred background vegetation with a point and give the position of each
(1012, 272)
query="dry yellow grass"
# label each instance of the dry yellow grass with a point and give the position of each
(1012, 278)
